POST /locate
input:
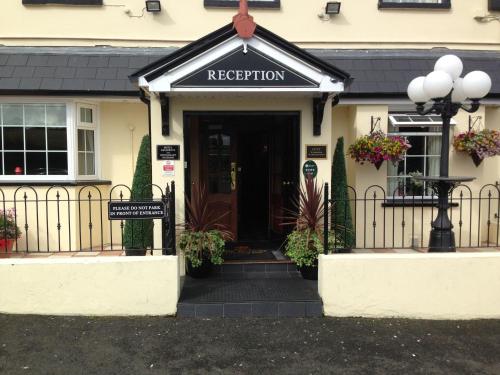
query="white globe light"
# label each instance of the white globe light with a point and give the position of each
(458, 94)
(477, 84)
(438, 84)
(416, 91)
(450, 64)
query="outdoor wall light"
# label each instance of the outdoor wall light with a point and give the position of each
(332, 7)
(446, 93)
(153, 6)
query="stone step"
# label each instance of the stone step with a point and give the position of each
(257, 309)
(272, 296)
(253, 267)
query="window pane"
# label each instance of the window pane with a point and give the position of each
(12, 114)
(34, 114)
(89, 140)
(86, 115)
(81, 140)
(415, 165)
(13, 138)
(56, 115)
(81, 163)
(90, 164)
(35, 139)
(417, 145)
(433, 145)
(56, 139)
(13, 160)
(36, 163)
(433, 165)
(58, 163)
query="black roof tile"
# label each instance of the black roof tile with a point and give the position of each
(44, 71)
(23, 71)
(86, 73)
(51, 84)
(73, 84)
(17, 60)
(38, 60)
(98, 61)
(60, 60)
(10, 83)
(118, 61)
(30, 83)
(65, 72)
(78, 61)
(106, 73)
(6, 71)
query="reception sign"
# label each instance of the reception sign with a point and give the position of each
(240, 69)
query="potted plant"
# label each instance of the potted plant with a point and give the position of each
(9, 231)
(305, 242)
(377, 147)
(138, 234)
(203, 239)
(478, 144)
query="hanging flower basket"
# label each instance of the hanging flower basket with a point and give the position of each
(377, 147)
(478, 144)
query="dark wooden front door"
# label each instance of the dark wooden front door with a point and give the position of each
(249, 164)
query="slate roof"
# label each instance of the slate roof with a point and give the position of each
(105, 70)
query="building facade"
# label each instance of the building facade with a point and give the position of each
(82, 81)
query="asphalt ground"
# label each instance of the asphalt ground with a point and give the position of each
(156, 345)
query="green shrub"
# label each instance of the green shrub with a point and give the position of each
(138, 234)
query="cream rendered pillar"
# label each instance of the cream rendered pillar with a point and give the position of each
(176, 137)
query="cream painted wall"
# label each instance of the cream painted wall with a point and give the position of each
(90, 286)
(422, 286)
(360, 24)
(122, 126)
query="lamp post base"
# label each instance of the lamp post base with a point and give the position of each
(442, 241)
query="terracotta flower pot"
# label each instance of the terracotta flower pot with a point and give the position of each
(476, 159)
(6, 246)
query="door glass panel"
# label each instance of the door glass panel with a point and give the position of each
(219, 161)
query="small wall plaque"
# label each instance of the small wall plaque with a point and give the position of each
(316, 151)
(167, 152)
(310, 168)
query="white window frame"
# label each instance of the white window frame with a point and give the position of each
(72, 111)
(412, 123)
(86, 126)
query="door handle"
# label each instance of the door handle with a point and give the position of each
(233, 176)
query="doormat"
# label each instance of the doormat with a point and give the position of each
(247, 253)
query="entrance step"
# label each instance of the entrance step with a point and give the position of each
(256, 270)
(284, 295)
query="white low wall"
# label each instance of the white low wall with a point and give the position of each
(90, 286)
(424, 286)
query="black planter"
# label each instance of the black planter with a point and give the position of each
(309, 272)
(135, 252)
(202, 271)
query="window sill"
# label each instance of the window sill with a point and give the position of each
(409, 202)
(56, 183)
(445, 5)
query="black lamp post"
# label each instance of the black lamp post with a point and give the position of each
(448, 93)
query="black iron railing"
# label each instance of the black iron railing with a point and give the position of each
(382, 221)
(61, 219)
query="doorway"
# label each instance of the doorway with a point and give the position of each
(249, 163)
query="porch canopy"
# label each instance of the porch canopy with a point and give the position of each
(224, 61)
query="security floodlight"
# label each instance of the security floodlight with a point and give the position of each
(153, 6)
(332, 7)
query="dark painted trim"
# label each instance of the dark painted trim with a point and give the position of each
(63, 2)
(445, 4)
(276, 4)
(55, 183)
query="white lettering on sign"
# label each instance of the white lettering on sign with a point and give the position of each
(246, 75)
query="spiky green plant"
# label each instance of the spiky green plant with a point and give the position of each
(203, 235)
(138, 234)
